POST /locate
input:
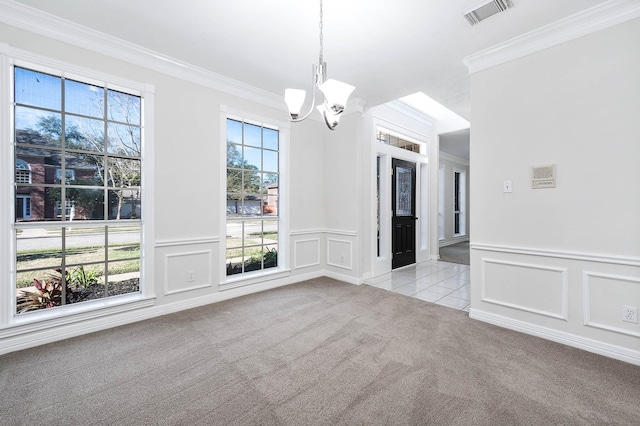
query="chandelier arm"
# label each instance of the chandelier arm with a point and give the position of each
(313, 103)
(314, 79)
(338, 92)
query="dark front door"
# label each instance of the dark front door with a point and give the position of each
(403, 193)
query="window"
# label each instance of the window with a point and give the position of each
(459, 202)
(23, 207)
(378, 204)
(389, 139)
(441, 193)
(68, 205)
(69, 175)
(80, 144)
(252, 210)
(23, 172)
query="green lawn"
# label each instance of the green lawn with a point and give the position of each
(122, 259)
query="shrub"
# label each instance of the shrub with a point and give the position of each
(48, 292)
(47, 295)
(80, 277)
(254, 262)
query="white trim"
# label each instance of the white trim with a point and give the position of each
(167, 257)
(22, 340)
(252, 278)
(7, 310)
(307, 232)
(564, 310)
(586, 289)
(284, 135)
(187, 242)
(27, 59)
(15, 56)
(343, 233)
(61, 316)
(463, 198)
(605, 349)
(295, 253)
(341, 277)
(348, 267)
(45, 24)
(383, 264)
(616, 260)
(583, 23)
(411, 112)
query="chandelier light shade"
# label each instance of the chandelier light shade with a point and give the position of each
(294, 99)
(336, 93)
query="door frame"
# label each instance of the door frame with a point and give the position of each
(381, 264)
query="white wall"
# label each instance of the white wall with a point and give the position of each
(561, 262)
(187, 210)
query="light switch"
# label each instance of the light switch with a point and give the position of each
(507, 186)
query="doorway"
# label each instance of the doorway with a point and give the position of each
(403, 220)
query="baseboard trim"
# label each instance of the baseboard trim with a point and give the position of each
(342, 277)
(23, 341)
(590, 345)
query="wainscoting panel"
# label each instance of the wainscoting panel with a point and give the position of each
(605, 295)
(306, 253)
(339, 253)
(187, 271)
(575, 298)
(528, 287)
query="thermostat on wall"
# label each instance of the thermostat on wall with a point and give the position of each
(544, 177)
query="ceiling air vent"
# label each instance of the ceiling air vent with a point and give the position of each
(481, 11)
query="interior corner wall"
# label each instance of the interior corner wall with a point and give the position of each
(560, 262)
(343, 177)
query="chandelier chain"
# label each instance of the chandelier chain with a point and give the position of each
(321, 38)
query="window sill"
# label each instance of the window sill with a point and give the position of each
(254, 278)
(70, 314)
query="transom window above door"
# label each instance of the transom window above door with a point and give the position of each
(398, 142)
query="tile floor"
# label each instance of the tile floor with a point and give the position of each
(443, 283)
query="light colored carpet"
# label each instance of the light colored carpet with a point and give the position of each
(320, 352)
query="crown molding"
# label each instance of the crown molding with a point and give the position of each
(453, 158)
(605, 15)
(411, 112)
(47, 25)
(356, 105)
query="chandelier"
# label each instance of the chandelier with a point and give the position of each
(336, 93)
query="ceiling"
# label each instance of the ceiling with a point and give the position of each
(387, 49)
(456, 143)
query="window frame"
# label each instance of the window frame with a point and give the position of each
(26, 205)
(11, 57)
(459, 185)
(283, 268)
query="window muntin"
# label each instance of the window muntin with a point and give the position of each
(82, 145)
(252, 197)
